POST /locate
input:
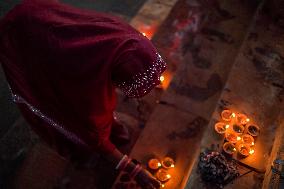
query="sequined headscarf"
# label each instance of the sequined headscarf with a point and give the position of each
(63, 63)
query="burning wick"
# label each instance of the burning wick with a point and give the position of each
(162, 78)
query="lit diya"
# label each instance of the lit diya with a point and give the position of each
(242, 119)
(154, 164)
(221, 127)
(162, 175)
(253, 130)
(232, 137)
(168, 163)
(245, 150)
(239, 129)
(229, 148)
(248, 139)
(227, 115)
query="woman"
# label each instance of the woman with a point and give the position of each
(63, 64)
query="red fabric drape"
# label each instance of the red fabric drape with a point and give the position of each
(63, 61)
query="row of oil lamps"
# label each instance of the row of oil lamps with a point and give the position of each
(161, 168)
(239, 133)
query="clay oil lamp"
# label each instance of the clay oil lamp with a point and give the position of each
(248, 139)
(221, 127)
(253, 130)
(168, 163)
(227, 115)
(238, 129)
(242, 119)
(229, 148)
(232, 137)
(162, 175)
(245, 150)
(154, 164)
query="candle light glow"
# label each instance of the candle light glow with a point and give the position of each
(237, 133)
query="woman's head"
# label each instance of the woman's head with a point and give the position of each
(138, 68)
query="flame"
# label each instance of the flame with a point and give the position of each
(162, 78)
(251, 151)
(227, 126)
(239, 138)
(163, 186)
(247, 119)
(172, 165)
(235, 149)
(252, 143)
(159, 164)
(168, 176)
(233, 115)
(144, 34)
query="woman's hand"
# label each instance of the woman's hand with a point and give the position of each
(146, 180)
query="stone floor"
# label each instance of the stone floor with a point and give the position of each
(212, 49)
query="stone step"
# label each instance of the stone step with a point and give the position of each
(254, 87)
(200, 42)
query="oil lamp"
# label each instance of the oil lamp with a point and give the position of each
(232, 137)
(168, 163)
(239, 129)
(242, 119)
(248, 139)
(245, 150)
(229, 148)
(154, 164)
(253, 130)
(221, 127)
(162, 175)
(227, 115)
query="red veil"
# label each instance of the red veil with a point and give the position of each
(62, 64)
